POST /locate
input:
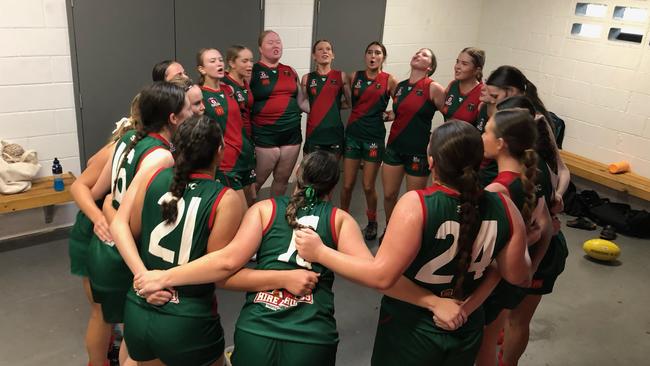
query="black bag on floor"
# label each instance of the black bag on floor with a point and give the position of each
(623, 218)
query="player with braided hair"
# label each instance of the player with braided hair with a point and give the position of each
(442, 238)
(278, 325)
(510, 137)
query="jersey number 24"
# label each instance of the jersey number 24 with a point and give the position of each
(485, 242)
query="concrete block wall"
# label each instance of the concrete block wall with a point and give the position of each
(600, 88)
(36, 97)
(444, 26)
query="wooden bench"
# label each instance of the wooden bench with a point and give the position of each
(42, 194)
(630, 183)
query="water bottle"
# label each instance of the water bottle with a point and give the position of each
(57, 172)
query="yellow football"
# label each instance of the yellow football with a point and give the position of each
(601, 249)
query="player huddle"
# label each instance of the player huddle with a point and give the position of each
(169, 211)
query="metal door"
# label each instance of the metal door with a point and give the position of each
(218, 24)
(350, 26)
(114, 45)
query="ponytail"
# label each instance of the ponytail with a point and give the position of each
(317, 176)
(528, 178)
(134, 141)
(197, 142)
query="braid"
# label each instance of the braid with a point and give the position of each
(181, 177)
(544, 146)
(470, 194)
(296, 202)
(317, 176)
(197, 142)
(134, 141)
(528, 179)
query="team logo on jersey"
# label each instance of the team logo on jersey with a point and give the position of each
(449, 100)
(240, 97)
(333, 81)
(358, 84)
(377, 86)
(214, 103)
(175, 299)
(415, 164)
(419, 92)
(471, 107)
(286, 73)
(312, 87)
(281, 299)
(448, 293)
(264, 78)
(374, 150)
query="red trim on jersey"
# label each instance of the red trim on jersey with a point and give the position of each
(416, 101)
(243, 85)
(273, 213)
(505, 178)
(505, 207)
(367, 100)
(160, 137)
(437, 187)
(146, 153)
(333, 226)
(201, 176)
(207, 88)
(420, 193)
(324, 100)
(244, 107)
(286, 83)
(154, 176)
(232, 136)
(213, 211)
(463, 112)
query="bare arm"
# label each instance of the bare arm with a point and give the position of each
(437, 93)
(103, 184)
(347, 93)
(399, 248)
(217, 265)
(538, 249)
(81, 191)
(513, 260)
(303, 101)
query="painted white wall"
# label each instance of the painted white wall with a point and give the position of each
(36, 97)
(600, 88)
(446, 27)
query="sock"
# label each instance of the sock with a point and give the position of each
(372, 215)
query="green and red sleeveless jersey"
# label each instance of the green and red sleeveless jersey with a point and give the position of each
(275, 93)
(544, 183)
(221, 106)
(512, 182)
(369, 101)
(436, 262)
(482, 118)
(460, 106)
(244, 97)
(279, 314)
(324, 125)
(164, 245)
(124, 170)
(414, 111)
